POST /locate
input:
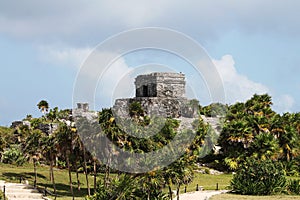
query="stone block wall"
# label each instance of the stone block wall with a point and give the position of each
(160, 85)
(156, 106)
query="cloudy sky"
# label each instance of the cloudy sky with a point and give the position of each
(254, 45)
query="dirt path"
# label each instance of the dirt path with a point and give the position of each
(200, 195)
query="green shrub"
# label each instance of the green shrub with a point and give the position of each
(293, 186)
(125, 187)
(135, 109)
(13, 155)
(259, 177)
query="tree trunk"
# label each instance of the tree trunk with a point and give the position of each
(170, 192)
(35, 174)
(70, 176)
(148, 189)
(95, 175)
(52, 176)
(77, 176)
(107, 170)
(85, 171)
(148, 194)
(178, 191)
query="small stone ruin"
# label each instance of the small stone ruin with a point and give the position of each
(83, 110)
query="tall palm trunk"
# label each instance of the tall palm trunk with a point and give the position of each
(70, 176)
(148, 190)
(170, 192)
(35, 174)
(52, 176)
(178, 191)
(95, 174)
(77, 175)
(107, 169)
(85, 171)
(107, 173)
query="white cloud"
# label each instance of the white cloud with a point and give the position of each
(66, 56)
(115, 82)
(284, 103)
(237, 86)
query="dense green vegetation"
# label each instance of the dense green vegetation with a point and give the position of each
(259, 177)
(249, 130)
(253, 129)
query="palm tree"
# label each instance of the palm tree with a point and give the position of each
(85, 168)
(285, 129)
(95, 172)
(265, 146)
(33, 148)
(65, 138)
(43, 106)
(50, 152)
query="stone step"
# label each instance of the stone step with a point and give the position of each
(28, 187)
(19, 191)
(23, 195)
(11, 190)
(12, 198)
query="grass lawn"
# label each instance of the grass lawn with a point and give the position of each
(13, 173)
(209, 182)
(248, 197)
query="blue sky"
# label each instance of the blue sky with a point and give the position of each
(253, 44)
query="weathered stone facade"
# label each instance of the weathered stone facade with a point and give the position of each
(160, 85)
(160, 94)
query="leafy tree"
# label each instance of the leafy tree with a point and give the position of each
(214, 110)
(248, 131)
(6, 138)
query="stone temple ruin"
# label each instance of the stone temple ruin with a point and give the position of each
(161, 94)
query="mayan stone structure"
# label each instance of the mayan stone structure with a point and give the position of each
(160, 94)
(160, 85)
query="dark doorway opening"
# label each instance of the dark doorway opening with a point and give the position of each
(145, 91)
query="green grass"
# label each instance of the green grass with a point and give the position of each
(209, 182)
(248, 197)
(13, 173)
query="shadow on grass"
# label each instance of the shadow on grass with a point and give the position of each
(17, 176)
(63, 190)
